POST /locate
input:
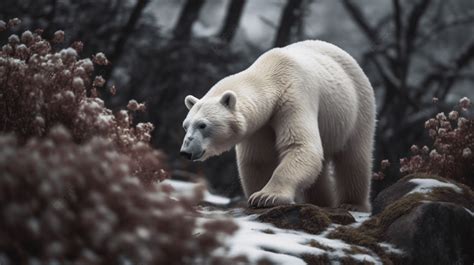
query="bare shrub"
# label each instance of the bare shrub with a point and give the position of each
(41, 87)
(63, 202)
(450, 155)
(69, 167)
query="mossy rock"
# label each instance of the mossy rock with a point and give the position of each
(304, 217)
(410, 221)
(404, 186)
(316, 259)
(435, 233)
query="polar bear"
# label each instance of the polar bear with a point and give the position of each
(302, 118)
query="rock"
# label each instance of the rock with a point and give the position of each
(390, 195)
(442, 192)
(435, 233)
(305, 217)
(428, 217)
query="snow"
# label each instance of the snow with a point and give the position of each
(188, 187)
(360, 217)
(427, 185)
(365, 258)
(215, 199)
(469, 211)
(257, 240)
(390, 248)
(254, 240)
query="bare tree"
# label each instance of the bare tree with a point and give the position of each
(405, 93)
(232, 19)
(289, 18)
(125, 34)
(189, 14)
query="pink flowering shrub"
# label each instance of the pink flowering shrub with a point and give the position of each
(451, 154)
(68, 203)
(76, 180)
(41, 87)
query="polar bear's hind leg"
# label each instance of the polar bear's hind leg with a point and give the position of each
(353, 174)
(321, 192)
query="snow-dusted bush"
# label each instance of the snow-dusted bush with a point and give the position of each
(68, 203)
(41, 87)
(451, 153)
(76, 180)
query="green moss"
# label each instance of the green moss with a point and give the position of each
(377, 225)
(351, 261)
(316, 259)
(354, 236)
(467, 198)
(372, 231)
(316, 244)
(305, 217)
(357, 250)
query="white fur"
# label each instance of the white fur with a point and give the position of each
(297, 112)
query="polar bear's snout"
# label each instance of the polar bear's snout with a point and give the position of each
(192, 148)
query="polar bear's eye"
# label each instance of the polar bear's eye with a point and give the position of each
(202, 126)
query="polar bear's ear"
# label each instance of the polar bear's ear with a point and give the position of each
(189, 101)
(229, 99)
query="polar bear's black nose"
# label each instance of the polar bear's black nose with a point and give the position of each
(186, 155)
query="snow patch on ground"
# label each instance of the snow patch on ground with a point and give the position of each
(257, 240)
(427, 185)
(184, 187)
(365, 258)
(390, 248)
(359, 217)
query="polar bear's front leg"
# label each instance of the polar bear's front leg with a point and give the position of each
(297, 170)
(301, 162)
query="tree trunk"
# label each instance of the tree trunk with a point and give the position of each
(232, 19)
(189, 14)
(124, 35)
(288, 19)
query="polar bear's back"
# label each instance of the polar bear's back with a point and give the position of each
(315, 55)
(337, 89)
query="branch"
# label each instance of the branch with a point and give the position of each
(393, 83)
(232, 19)
(358, 16)
(189, 14)
(463, 59)
(413, 21)
(401, 60)
(442, 26)
(397, 18)
(287, 21)
(267, 22)
(125, 33)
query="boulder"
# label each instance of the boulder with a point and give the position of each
(428, 217)
(435, 233)
(441, 190)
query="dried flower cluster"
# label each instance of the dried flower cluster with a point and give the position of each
(69, 167)
(451, 155)
(40, 88)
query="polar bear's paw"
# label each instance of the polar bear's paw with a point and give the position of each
(262, 199)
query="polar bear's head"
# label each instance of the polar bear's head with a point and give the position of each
(213, 125)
